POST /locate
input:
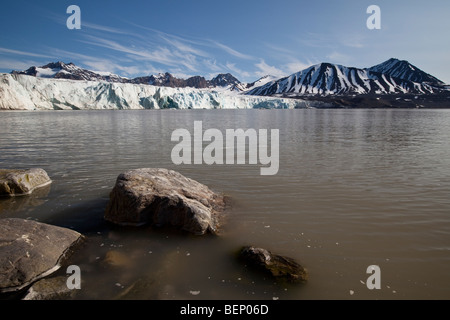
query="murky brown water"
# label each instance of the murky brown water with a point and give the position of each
(355, 188)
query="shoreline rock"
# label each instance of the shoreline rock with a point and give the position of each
(162, 197)
(17, 182)
(50, 289)
(279, 267)
(31, 250)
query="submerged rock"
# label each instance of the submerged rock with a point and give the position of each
(116, 258)
(162, 197)
(50, 289)
(277, 266)
(21, 182)
(21, 205)
(30, 250)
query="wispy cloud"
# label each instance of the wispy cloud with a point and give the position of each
(339, 58)
(265, 69)
(212, 65)
(115, 65)
(231, 51)
(236, 71)
(183, 47)
(23, 53)
(14, 64)
(296, 66)
(102, 28)
(182, 43)
(160, 55)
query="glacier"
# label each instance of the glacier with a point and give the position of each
(24, 92)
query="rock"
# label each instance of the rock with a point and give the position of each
(21, 182)
(31, 250)
(162, 197)
(50, 289)
(277, 266)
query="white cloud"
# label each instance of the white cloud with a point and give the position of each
(236, 71)
(18, 65)
(212, 65)
(339, 58)
(265, 69)
(185, 48)
(296, 66)
(23, 53)
(102, 28)
(231, 51)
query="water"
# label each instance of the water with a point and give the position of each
(355, 188)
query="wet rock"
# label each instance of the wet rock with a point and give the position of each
(162, 197)
(277, 266)
(50, 289)
(31, 250)
(22, 182)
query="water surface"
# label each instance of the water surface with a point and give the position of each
(355, 188)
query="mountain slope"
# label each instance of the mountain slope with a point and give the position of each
(390, 77)
(402, 69)
(243, 87)
(223, 80)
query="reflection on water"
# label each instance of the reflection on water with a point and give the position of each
(20, 205)
(355, 188)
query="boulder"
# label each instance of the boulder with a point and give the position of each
(162, 197)
(30, 250)
(277, 266)
(20, 182)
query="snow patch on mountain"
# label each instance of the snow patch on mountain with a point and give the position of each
(245, 87)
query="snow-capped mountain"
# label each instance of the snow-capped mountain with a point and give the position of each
(224, 80)
(402, 69)
(391, 77)
(244, 87)
(168, 80)
(61, 70)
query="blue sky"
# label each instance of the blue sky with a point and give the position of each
(246, 38)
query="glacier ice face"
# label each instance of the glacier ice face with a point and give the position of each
(23, 92)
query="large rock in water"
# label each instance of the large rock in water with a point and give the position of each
(164, 197)
(21, 182)
(277, 266)
(30, 250)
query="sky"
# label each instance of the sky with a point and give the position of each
(246, 38)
